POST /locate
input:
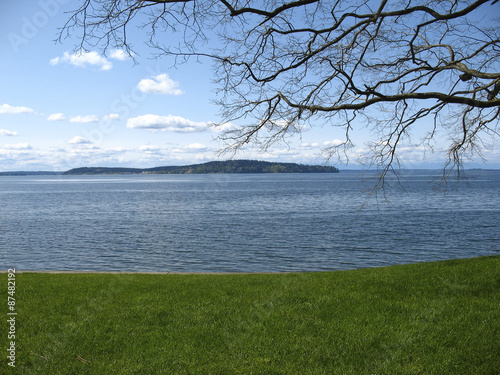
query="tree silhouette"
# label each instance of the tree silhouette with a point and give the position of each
(393, 66)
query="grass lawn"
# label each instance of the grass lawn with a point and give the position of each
(428, 318)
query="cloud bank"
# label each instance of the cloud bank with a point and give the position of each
(168, 123)
(18, 146)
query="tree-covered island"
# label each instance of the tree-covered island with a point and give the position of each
(229, 166)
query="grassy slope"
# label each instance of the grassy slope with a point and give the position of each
(434, 318)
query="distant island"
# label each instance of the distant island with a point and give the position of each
(229, 166)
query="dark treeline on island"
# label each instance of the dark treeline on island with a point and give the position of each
(229, 166)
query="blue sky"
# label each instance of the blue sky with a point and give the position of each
(60, 109)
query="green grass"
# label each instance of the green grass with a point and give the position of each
(429, 318)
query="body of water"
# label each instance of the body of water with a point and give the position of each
(243, 223)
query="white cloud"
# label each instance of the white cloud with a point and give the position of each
(18, 146)
(149, 148)
(309, 146)
(160, 84)
(79, 141)
(119, 54)
(224, 127)
(334, 143)
(168, 123)
(85, 149)
(195, 147)
(112, 116)
(83, 59)
(56, 149)
(7, 133)
(56, 117)
(5, 108)
(84, 119)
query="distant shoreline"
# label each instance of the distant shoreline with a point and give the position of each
(60, 173)
(213, 167)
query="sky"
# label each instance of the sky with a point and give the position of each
(61, 110)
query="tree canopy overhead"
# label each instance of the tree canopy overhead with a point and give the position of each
(390, 65)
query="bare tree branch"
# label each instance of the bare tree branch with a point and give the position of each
(282, 63)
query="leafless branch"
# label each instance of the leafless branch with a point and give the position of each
(281, 63)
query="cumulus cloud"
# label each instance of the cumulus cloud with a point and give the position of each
(160, 84)
(168, 123)
(5, 108)
(195, 147)
(112, 116)
(84, 119)
(56, 117)
(119, 54)
(79, 141)
(83, 59)
(224, 127)
(7, 133)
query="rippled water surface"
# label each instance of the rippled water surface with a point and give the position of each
(243, 223)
